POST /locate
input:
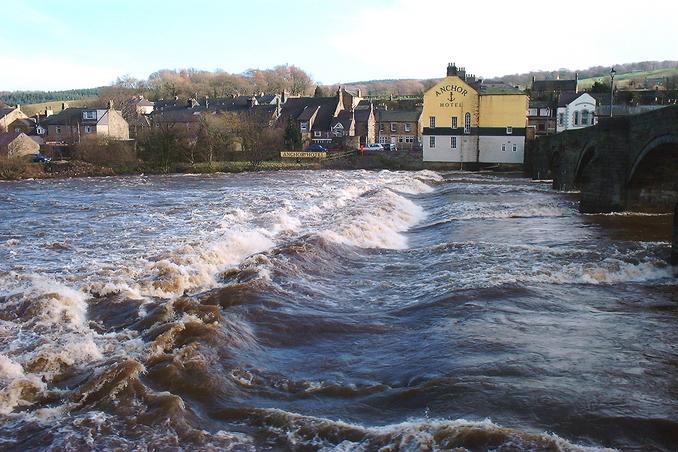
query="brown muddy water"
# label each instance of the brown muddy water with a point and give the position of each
(327, 310)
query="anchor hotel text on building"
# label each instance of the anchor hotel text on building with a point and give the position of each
(466, 120)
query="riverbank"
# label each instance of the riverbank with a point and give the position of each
(20, 169)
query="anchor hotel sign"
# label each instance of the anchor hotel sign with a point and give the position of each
(451, 95)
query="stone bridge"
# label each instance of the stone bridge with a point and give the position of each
(623, 163)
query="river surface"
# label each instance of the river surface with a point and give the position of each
(323, 310)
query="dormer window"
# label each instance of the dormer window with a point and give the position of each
(509, 130)
(89, 114)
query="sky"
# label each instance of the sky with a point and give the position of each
(53, 45)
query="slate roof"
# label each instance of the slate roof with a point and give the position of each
(7, 138)
(327, 106)
(398, 115)
(568, 98)
(144, 103)
(362, 115)
(308, 113)
(185, 115)
(554, 85)
(5, 111)
(345, 118)
(540, 104)
(73, 115)
(498, 88)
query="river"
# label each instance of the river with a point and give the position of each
(330, 310)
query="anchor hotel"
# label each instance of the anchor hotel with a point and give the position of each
(466, 120)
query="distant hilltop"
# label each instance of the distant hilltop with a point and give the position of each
(189, 82)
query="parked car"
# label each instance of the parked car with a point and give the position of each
(41, 158)
(317, 148)
(390, 147)
(374, 147)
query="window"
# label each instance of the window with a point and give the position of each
(509, 130)
(467, 123)
(561, 119)
(381, 127)
(576, 118)
(515, 147)
(89, 115)
(89, 129)
(532, 112)
(383, 139)
(409, 139)
(453, 142)
(454, 122)
(304, 126)
(58, 130)
(432, 121)
(585, 117)
(503, 148)
(394, 127)
(541, 126)
(400, 139)
(432, 142)
(408, 127)
(317, 133)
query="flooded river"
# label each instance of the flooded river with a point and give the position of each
(323, 310)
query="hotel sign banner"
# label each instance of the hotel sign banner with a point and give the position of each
(303, 155)
(450, 92)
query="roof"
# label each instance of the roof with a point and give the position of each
(73, 115)
(5, 111)
(139, 121)
(345, 118)
(326, 107)
(362, 114)
(308, 113)
(498, 88)
(7, 138)
(540, 104)
(554, 85)
(568, 98)
(185, 115)
(144, 103)
(398, 115)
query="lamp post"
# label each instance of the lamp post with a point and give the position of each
(612, 74)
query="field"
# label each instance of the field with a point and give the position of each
(628, 79)
(55, 105)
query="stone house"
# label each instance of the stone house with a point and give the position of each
(72, 125)
(16, 144)
(344, 117)
(400, 127)
(8, 115)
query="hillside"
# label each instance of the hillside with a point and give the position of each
(35, 97)
(55, 105)
(629, 80)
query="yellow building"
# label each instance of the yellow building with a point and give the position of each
(466, 120)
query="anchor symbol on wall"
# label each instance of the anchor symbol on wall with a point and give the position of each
(451, 98)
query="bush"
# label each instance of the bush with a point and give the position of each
(14, 168)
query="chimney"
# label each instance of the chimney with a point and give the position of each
(285, 96)
(176, 97)
(18, 107)
(48, 112)
(534, 79)
(576, 76)
(462, 73)
(110, 104)
(64, 105)
(359, 93)
(207, 101)
(252, 101)
(451, 69)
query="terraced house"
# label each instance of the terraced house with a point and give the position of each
(399, 127)
(466, 120)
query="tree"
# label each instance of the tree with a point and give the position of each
(600, 87)
(259, 141)
(319, 91)
(292, 136)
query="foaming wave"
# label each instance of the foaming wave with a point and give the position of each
(298, 431)
(377, 222)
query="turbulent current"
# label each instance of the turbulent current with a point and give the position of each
(322, 310)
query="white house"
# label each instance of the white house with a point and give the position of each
(575, 111)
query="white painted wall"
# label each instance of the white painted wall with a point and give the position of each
(490, 149)
(583, 102)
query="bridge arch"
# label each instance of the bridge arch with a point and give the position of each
(651, 183)
(666, 140)
(587, 154)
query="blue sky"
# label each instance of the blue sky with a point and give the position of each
(49, 44)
